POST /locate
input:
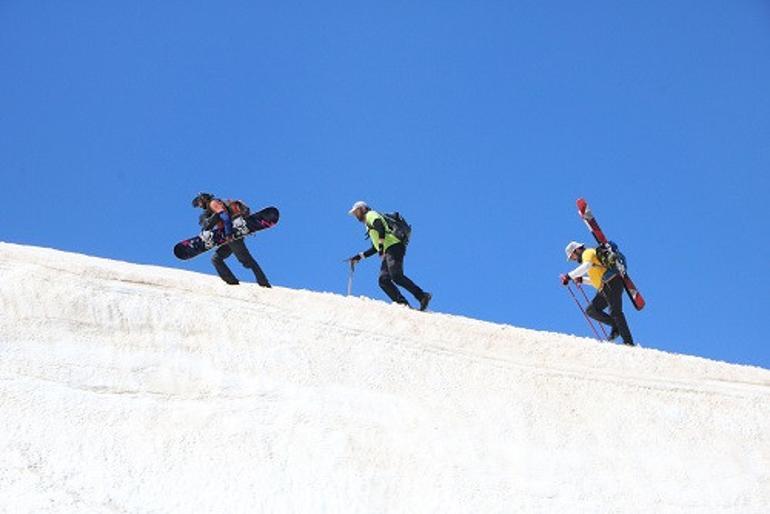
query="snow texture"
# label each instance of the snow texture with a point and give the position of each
(132, 388)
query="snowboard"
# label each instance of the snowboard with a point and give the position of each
(590, 220)
(189, 248)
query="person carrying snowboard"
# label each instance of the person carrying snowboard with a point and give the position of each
(392, 251)
(609, 285)
(227, 215)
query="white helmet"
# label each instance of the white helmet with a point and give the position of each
(358, 205)
(574, 245)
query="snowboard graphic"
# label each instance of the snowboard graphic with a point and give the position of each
(255, 222)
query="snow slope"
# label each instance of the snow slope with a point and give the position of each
(130, 388)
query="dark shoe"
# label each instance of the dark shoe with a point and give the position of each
(629, 343)
(613, 335)
(425, 300)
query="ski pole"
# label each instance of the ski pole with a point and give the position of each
(601, 327)
(569, 288)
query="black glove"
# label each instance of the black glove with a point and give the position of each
(564, 279)
(357, 257)
(381, 250)
(209, 222)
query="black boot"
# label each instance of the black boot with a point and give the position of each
(425, 300)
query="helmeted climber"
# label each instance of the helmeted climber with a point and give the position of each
(391, 250)
(227, 215)
(609, 285)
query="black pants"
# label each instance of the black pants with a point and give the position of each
(611, 294)
(392, 273)
(237, 247)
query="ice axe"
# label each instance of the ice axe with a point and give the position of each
(350, 274)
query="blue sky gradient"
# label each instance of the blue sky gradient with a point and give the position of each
(481, 122)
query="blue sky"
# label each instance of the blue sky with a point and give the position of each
(481, 122)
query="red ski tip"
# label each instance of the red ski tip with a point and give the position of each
(583, 209)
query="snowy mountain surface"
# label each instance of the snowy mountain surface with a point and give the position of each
(133, 388)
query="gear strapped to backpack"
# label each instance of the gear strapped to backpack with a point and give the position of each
(611, 257)
(237, 208)
(398, 226)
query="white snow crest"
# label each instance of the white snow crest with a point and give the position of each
(131, 388)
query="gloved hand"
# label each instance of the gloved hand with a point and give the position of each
(566, 278)
(357, 257)
(208, 222)
(381, 250)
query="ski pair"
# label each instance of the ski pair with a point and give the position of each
(590, 220)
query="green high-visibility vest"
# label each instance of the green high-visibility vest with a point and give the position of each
(390, 239)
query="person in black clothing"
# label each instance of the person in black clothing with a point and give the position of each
(217, 214)
(609, 284)
(392, 251)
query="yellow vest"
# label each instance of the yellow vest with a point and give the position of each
(596, 271)
(390, 239)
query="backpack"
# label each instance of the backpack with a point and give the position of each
(237, 208)
(611, 257)
(398, 226)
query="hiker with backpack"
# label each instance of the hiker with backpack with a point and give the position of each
(600, 267)
(227, 215)
(389, 235)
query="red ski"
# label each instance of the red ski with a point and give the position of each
(587, 216)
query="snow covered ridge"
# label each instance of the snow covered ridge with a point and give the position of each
(135, 388)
